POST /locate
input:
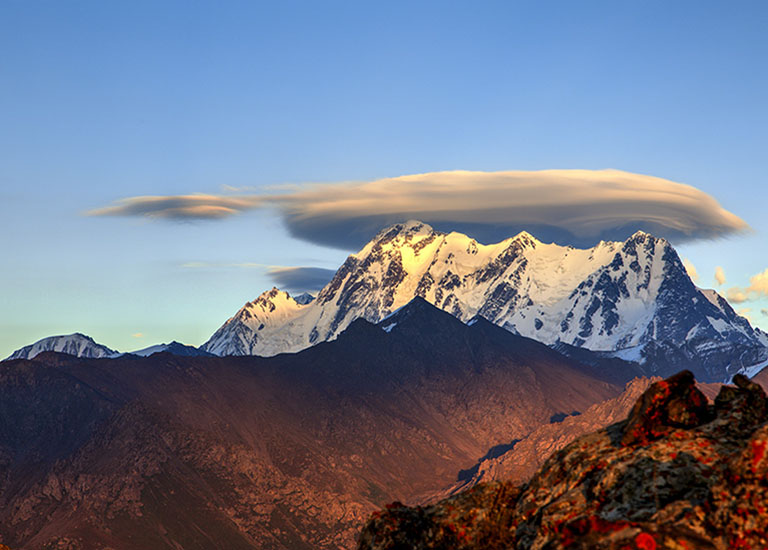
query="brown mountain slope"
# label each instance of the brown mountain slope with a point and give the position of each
(522, 460)
(762, 378)
(292, 451)
(527, 455)
(676, 474)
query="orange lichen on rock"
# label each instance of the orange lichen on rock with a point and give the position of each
(644, 541)
(678, 473)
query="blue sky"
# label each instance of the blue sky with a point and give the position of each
(103, 101)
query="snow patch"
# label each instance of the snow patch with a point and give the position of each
(389, 327)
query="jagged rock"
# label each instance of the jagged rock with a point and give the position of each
(745, 404)
(688, 476)
(667, 404)
(477, 518)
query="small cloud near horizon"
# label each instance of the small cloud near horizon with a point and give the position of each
(138, 335)
(570, 207)
(719, 276)
(757, 289)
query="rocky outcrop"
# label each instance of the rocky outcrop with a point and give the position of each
(677, 473)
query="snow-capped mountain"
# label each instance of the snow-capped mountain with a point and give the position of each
(265, 326)
(75, 344)
(633, 298)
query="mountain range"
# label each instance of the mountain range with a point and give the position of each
(632, 300)
(629, 301)
(429, 365)
(80, 345)
(285, 452)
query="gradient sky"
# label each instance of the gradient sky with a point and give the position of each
(104, 100)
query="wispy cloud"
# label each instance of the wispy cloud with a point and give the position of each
(757, 289)
(300, 279)
(180, 207)
(138, 335)
(225, 265)
(575, 207)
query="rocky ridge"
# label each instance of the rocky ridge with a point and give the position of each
(174, 348)
(81, 345)
(677, 473)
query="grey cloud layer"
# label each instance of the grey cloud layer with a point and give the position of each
(577, 207)
(294, 279)
(300, 279)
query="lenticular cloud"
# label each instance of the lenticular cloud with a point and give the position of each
(576, 207)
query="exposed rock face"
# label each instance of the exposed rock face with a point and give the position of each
(675, 474)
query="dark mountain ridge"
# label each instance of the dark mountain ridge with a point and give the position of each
(292, 451)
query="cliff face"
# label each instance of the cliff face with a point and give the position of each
(677, 473)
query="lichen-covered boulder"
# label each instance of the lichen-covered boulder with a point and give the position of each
(666, 405)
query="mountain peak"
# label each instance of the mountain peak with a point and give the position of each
(174, 348)
(405, 229)
(641, 236)
(77, 344)
(526, 239)
(416, 304)
(271, 298)
(419, 315)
